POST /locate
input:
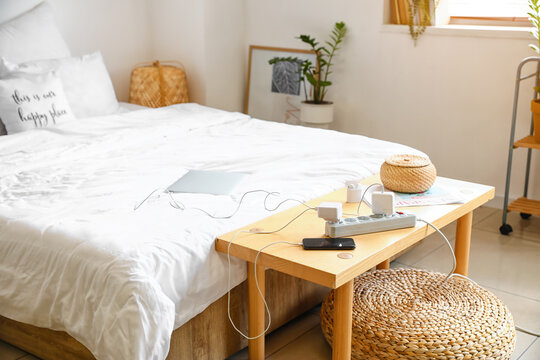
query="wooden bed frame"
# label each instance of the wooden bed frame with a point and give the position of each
(208, 335)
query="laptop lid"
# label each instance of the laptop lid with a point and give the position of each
(207, 182)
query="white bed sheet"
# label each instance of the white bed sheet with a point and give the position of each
(127, 107)
(75, 256)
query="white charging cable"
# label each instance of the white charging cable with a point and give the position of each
(364, 194)
(255, 273)
(180, 206)
(451, 273)
(147, 197)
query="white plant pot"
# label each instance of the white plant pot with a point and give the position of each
(316, 115)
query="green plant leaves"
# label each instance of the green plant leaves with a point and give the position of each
(317, 74)
(311, 79)
(309, 40)
(534, 18)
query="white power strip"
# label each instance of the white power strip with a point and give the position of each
(369, 224)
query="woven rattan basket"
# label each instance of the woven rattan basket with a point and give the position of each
(158, 84)
(408, 173)
(412, 314)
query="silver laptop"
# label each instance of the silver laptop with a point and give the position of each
(207, 182)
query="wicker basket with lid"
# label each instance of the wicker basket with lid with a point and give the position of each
(158, 84)
(408, 173)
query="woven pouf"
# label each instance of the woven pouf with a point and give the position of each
(413, 314)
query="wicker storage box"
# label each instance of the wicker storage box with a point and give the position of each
(156, 84)
(408, 173)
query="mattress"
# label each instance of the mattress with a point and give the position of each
(76, 256)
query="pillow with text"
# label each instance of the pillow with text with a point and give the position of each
(33, 101)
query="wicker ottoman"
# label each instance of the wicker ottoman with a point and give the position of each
(410, 314)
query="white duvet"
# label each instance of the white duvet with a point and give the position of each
(75, 256)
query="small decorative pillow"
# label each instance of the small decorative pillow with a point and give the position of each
(32, 35)
(33, 101)
(86, 81)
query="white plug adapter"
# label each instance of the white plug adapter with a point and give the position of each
(330, 211)
(382, 203)
(354, 192)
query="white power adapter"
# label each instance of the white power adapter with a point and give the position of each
(354, 192)
(382, 203)
(330, 211)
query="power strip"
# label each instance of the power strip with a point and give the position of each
(369, 224)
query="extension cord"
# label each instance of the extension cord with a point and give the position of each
(369, 224)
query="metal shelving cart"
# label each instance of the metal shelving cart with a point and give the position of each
(526, 207)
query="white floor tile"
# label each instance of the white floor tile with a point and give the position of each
(523, 342)
(506, 263)
(482, 213)
(526, 229)
(285, 334)
(29, 357)
(8, 352)
(396, 264)
(533, 352)
(526, 312)
(291, 331)
(311, 345)
(435, 241)
(425, 247)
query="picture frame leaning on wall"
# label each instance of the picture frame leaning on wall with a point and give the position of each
(274, 92)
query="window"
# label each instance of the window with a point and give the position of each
(489, 12)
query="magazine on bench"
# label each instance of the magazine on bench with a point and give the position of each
(438, 194)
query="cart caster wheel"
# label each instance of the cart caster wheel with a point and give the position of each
(505, 229)
(525, 216)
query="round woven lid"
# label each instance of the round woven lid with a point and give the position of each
(405, 160)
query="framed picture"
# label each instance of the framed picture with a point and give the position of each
(274, 92)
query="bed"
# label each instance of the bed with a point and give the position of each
(73, 251)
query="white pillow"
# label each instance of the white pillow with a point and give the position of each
(85, 79)
(32, 35)
(10, 9)
(33, 101)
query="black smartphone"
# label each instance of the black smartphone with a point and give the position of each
(329, 244)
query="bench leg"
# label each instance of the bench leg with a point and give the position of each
(463, 243)
(256, 312)
(385, 265)
(343, 298)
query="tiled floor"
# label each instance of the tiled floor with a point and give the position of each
(509, 266)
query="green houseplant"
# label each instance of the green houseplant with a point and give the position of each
(315, 109)
(534, 17)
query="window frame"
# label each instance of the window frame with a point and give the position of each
(518, 21)
(464, 19)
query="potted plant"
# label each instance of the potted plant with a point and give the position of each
(534, 17)
(315, 110)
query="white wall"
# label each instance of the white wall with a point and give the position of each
(225, 61)
(449, 96)
(119, 28)
(207, 36)
(177, 32)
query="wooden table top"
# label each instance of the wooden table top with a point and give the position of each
(324, 267)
